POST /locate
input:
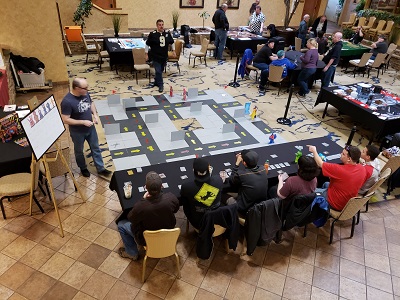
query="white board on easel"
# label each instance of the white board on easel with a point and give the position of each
(43, 126)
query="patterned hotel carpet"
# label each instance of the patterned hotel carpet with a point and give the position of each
(306, 120)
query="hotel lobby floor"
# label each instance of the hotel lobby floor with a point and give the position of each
(36, 263)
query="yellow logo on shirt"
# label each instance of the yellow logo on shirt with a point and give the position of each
(206, 194)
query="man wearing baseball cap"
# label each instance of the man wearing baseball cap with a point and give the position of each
(201, 194)
(262, 60)
(251, 182)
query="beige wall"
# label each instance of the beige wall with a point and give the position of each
(31, 28)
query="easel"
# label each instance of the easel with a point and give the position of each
(33, 103)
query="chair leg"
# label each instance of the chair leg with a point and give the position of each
(305, 231)
(179, 69)
(2, 207)
(187, 226)
(87, 54)
(149, 75)
(205, 60)
(366, 206)
(136, 73)
(358, 217)
(280, 84)
(38, 204)
(353, 224)
(144, 268)
(189, 58)
(178, 268)
(332, 229)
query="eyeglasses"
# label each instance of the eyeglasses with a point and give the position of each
(84, 88)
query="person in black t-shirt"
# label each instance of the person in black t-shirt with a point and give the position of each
(158, 41)
(331, 59)
(357, 36)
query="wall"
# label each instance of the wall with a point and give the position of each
(33, 30)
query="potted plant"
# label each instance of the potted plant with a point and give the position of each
(116, 20)
(204, 15)
(82, 12)
(288, 33)
(175, 18)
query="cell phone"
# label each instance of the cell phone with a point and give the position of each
(285, 176)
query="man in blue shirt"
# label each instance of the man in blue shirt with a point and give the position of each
(284, 62)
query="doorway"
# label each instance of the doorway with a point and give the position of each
(311, 7)
(331, 10)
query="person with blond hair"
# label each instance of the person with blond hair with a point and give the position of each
(308, 66)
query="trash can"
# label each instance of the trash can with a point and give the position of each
(73, 33)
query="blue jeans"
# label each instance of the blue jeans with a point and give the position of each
(220, 40)
(125, 230)
(159, 68)
(79, 138)
(261, 66)
(303, 38)
(264, 77)
(327, 76)
(302, 80)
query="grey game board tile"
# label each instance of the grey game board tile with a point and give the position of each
(170, 146)
(131, 162)
(111, 129)
(181, 158)
(129, 136)
(114, 99)
(113, 137)
(128, 103)
(147, 101)
(102, 108)
(216, 137)
(118, 112)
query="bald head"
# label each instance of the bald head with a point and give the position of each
(79, 82)
(306, 17)
(337, 37)
(224, 6)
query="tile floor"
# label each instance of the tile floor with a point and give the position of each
(36, 263)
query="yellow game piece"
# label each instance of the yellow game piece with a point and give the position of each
(130, 172)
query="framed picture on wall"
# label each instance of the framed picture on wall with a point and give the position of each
(191, 3)
(231, 3)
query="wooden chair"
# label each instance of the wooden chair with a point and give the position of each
(370, 24)
(378, 63)
(90, 48)
(250, 67)
(101, 54)
(201, 53)
(297, 45)
(178, 50)
(19, 184)
(136, 34)
(139, 62)
(159, 244)
(391, 49)
(350, 23)
(388, 29)
(360, 63)
(393, 163)
(361, 22)
(349, 211)
(275, 75)
(373, 32)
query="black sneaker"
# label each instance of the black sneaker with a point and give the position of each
(151, 85)
(105, 172)
(85, 173)
(161, 89)
(261, 92)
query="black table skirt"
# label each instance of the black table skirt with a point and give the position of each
(234, 44)
(172, 170)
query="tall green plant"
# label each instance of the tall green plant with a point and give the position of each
(380, 15)
(175, 18)
(205, 15)
(82, 11)
(116, 20)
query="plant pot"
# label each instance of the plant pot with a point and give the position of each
(116, 34)
(287, 35)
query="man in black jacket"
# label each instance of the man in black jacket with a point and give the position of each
(332, 59)
(221, 30)
(251, 183)
(202, 194)
(155, 211)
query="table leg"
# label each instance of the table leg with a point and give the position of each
(326, 108)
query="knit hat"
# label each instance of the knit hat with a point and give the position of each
(153, 183)
(250, 157)
(201, 168)
(280, 53)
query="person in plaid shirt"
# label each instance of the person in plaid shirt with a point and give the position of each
(257, 21)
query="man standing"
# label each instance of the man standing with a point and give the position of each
(262, 60)
(158, 41)
(257, 20)
(155, 211)
(79, 112)
(202, 194)
(345, 180)
(332, 59)
(250, 183)
(221, 30)
(304, 30)
(369, 155)
(380, 46)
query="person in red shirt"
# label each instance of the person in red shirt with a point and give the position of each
(345, 180)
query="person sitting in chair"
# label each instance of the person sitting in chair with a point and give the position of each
(369, 155)
(357, 36)
(284, 62)
(380, 46)
(201, 194)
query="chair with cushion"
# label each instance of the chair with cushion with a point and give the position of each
(351, 21)
(373, 32)
(360, 63)
(19, 184)
(178, 50)
(350, 211)
(101, 54)
(139, 62)
(378, 63)
(275, 75)
(250, 67)
(136, 34)
(201, 53)
(387, 30)
(90, 48)
(361, 22)
(297, 45)
(159, 244)
(370, 24)
(391, 49)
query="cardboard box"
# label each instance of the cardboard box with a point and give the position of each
(31, 80)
